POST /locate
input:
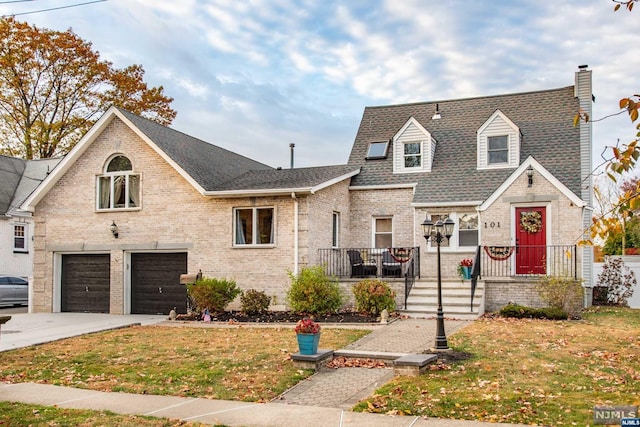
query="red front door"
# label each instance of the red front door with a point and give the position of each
(531, 240)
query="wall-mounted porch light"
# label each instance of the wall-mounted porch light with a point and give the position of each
(530, 175)
(114, 229)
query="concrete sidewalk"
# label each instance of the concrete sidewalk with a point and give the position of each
(322, 400)
(216, 411)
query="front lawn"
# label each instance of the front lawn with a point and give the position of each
(527, 371)
(22, 414)
(243, 363)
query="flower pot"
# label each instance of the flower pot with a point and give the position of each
(308, 343)
(466, 272)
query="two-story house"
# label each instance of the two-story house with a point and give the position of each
(135, 204)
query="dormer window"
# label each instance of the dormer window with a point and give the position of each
(413, 148)
(118, 187)
(412, 154)
(498, 149)
(377, 150)
(498, 143)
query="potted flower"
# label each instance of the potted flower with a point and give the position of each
(308, 334)
(464, 268)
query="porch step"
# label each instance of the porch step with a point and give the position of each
(456, 299)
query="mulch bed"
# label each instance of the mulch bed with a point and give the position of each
(283, 317)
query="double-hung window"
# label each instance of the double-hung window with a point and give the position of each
(20, 238)
(383, 232)
(465, 233)
(467, 229)
(253, 226)
(498, 149)
(118, 187)
(335, 230)
(413, 154)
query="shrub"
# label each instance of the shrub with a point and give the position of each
(313, 292)
(564, 293)
(553, 313)
(618, 279)
(213, 293)
(373, 295)
(523, 312)
(253, 301)
(517, 311)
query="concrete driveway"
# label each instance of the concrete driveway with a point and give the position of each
(25, 329)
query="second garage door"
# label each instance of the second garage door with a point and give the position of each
(155, 283)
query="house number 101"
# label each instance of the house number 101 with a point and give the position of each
(492, 224)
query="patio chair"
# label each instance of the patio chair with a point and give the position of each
(390, 267)
(359, 268)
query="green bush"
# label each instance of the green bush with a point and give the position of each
(373, 295)
(553, 313)
(253, 301)
(213, 293)
(523, 312)
(313, 292)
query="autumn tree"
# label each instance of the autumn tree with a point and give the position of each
(623, 161)
(54, 86)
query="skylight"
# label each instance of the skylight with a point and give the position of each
(377, 150)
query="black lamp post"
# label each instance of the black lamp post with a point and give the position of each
(442, 229)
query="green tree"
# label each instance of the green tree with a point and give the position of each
(54, 86)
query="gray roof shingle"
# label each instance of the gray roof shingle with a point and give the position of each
(206, 163)
(545, 119)
(217, 169)
(11, 170)
(286, 178)
(19, 178)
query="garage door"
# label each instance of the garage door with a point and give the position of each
(155, 283)
(85, 283)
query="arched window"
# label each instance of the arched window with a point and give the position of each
(118, 187)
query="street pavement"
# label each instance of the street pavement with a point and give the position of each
(322, 400)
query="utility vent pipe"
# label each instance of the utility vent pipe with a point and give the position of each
(292, 146)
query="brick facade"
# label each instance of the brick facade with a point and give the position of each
(173, 217)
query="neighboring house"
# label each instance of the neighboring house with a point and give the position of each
(136, 204)
(18, 178)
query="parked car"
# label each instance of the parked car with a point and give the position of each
(13, 291)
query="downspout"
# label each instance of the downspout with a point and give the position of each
(295, 233)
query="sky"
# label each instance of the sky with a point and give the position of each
(255, 76)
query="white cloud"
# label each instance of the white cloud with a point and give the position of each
(268, 72)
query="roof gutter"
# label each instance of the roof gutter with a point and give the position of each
(446, 204)
(259, 192)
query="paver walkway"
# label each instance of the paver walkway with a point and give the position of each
(343, 388)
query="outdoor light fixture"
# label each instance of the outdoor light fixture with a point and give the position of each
(530, 175)
(114, 229)
(442, 229)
